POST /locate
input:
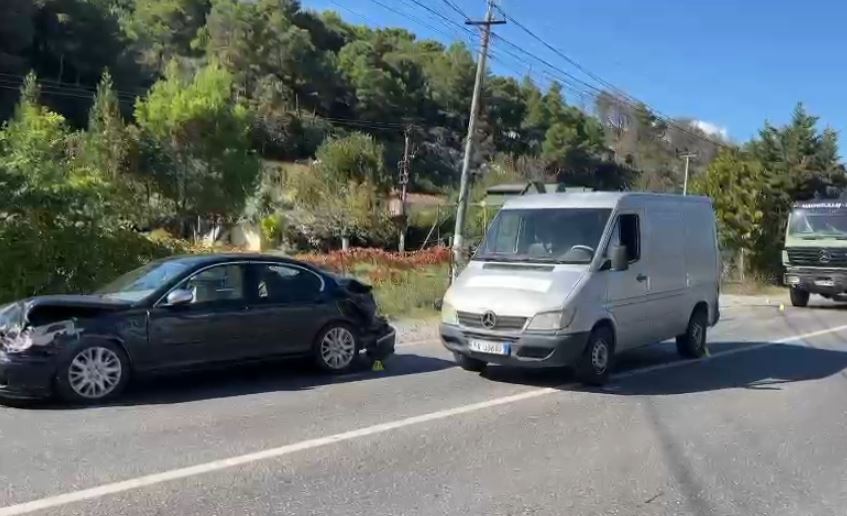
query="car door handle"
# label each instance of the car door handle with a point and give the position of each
(641, 278)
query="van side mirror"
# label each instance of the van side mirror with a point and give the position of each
(620, 260)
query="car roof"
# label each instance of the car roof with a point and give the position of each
(213, 258)
(594, 200)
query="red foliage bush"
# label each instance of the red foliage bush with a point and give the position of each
(385, 263)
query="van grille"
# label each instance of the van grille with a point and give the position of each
(504, 322)
(818, 257)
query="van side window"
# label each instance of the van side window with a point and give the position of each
(627, 232)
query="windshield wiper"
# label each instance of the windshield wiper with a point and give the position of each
(812, 237)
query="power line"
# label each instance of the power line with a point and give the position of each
(456, 9)
(415, 19)
(624, 97)
(439, 15)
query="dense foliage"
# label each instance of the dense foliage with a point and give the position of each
(136, 114)
(753, 187)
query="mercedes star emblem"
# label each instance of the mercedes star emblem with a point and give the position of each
(489, 320)
(825, 256)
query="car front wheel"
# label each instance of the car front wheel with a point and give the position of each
(336, 348)
(94, 373)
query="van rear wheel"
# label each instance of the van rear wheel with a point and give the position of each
(692, 343)
(799, 298)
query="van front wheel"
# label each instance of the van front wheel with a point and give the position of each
(596, 361)
(469, 364)
(692, 343)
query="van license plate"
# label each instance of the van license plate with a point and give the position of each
(825, 283)
(489, 346)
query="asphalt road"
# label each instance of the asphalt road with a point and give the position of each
(757, 429)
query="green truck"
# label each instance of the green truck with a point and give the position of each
(815, 254)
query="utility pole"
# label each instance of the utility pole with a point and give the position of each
(687, 156)
(405, 171)
(464, 186)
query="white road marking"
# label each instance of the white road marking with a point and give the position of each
(751, 347)
(272, 453)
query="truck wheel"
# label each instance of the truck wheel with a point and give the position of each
(692, 343)
(596, 361)
(799, 298)
(94, 373)
(468, 363)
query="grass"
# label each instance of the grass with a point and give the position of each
(752, 288)
(412, 294)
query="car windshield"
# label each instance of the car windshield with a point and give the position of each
(560, 235)
(818, 223)
(143, 281)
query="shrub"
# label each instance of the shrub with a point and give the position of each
(38, 260)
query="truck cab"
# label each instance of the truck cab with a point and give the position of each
(815, 254)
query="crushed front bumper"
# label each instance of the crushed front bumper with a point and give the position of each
(379, 340)
(524, 349)
(24, 376)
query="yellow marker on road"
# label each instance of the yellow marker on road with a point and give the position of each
(377, 367)
(781, 307)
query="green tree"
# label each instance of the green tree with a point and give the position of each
(165, 29)
(107, 141)
(736, 183)
(206, 134)
(356, 158)
(38, 183)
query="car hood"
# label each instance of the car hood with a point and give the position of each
(78, 300)
(514, 289)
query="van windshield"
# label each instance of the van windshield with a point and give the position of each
(557, 235)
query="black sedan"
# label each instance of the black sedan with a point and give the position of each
(186, 313)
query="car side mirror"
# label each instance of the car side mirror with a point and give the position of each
(620, 260)
(179, 296)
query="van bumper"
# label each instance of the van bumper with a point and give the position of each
(525, 350)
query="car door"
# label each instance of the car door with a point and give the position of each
(208, 329)
(288, 308)
(627, 290)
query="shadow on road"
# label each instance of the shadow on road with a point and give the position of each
(272, 376)
(766, 366)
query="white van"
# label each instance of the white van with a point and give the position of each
(571, 279)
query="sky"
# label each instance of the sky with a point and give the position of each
(730, 64)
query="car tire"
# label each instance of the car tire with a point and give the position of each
(95, 372)
(336, 348)
(799, 298)
(692, 343)
(469, 364)
(597, 360)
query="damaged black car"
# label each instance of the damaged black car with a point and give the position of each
(187, 313)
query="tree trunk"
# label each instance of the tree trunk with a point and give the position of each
(345, 243)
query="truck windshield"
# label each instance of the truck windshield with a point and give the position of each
(818, 223)
(559, 235)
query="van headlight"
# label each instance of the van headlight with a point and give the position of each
(551, 321)
(449, 314)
